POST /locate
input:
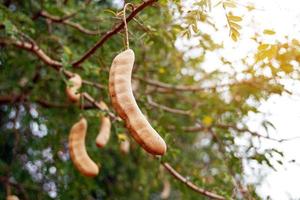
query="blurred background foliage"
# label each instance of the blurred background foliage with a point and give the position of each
(200, 114)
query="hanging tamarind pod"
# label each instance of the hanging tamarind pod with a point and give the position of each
(104, 133)
(165, 193)
(12, 197)
(72, 90)
(77, 149)
(123, 101)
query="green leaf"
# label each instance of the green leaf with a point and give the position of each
(229, 4)
(195, 28)
(9, 27)
(234, 18)
(262, 47)
(269, 32)
(235, 25)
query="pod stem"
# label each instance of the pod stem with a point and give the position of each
(125, 25)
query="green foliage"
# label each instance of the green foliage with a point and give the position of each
(34, 126)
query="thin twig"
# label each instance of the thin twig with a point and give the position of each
(166, 108)
(96, 85)
(34, 48)
(230, 126)
(187, 88)
(12, 99)
(199, 127)
(65, 20)
(112, 32)
(95, 103)
(191, 185)
(237, 183)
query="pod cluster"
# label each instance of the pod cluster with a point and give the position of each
(77, 147)
(124, 103)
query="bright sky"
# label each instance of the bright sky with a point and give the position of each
(284, 111)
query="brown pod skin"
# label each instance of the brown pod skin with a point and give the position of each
(104, 133)
(123, 101)
(112, 92)
(72, 91)
(78, 153)
(12, 197)
(165, 193)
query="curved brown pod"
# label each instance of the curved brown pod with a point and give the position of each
(78, 153)
(123, 101)
(165, 193)
(12, 197)
(104, 133)
(72, 90)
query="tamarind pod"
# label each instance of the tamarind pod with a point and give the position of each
(12, 197)
(112, 93)
(125, 146)
(165, 193)
(116, 106)
(118, 62)
(104, 133)
(154, 144)
(84, 164)
(124, 103)
(72, 91)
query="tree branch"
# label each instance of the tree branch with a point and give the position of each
(35, 49)
(199, 127)
(236, 182)
(166, 87)
(165, 108)
(65, 20)
(191, 185)
(170, 87)
(96, 85)
(95, 103)
(112, 32)
(231, 126)
(11, 99)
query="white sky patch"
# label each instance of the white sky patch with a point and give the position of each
(283, 17)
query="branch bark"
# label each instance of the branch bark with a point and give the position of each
(11, 99)
(66, 21)
(112, 32)
(199, 127)
(191, 185)
(165, 108)
(35, 49)
(235, 181)
(96, 104)
(185, 88)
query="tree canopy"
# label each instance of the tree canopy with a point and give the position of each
(200, 113)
